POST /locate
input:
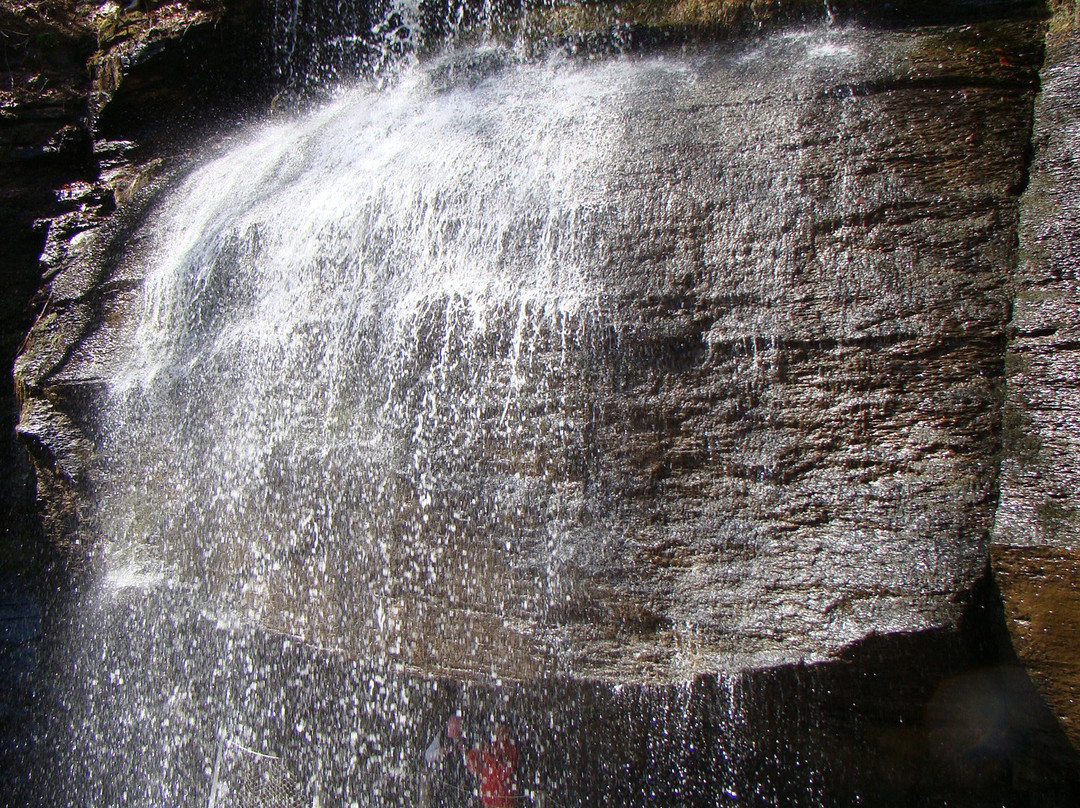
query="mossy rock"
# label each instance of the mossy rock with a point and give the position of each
(685, 18)
(1064, 16)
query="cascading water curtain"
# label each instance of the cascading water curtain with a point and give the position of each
(540, 391)
(315, 44)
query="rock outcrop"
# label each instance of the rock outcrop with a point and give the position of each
(44, 143)
(104, 99)
(782, 435)
(96, 97)
(795, 445)
(1037, 527)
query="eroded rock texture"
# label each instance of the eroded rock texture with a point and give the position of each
(779, 431)
(97, 93)
(1037, 527)
(789, 449)
(805, 423)
(43, 144)
(62, 172)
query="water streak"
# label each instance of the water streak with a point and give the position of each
(361, 349)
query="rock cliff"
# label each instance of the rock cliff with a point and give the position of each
(65, 167)
(798, 442)
(802, 426)
(1037, 525)
(101, 99)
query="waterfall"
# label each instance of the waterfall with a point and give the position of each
(355, 421)
(626, 400)
(361, 356)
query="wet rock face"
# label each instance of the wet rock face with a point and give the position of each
(1039, 588)
(97, 90)
(64, 62)
(781, 436)
(1040, 469)
(1037, 526)
(802, 430)
(777, 428)
(43, 144)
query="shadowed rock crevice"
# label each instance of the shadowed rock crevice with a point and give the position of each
(1036, 531)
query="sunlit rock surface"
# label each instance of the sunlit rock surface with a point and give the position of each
(1037, 527)
(828, 292)
(628, 370)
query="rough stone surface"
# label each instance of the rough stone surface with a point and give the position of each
(1042, 598)
(783, 432)
(80, 72)
(1040, 474)
(807, 422)
(44, 143)
(70, 70)
(887, 388)
(1037, 527)
(648, 20)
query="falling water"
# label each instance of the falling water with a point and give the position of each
(361, 355)
(395, 434)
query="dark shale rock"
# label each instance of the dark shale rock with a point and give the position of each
(43, 144)
(159, 73)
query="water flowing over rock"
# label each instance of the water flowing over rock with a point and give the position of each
(649, 400)
(705, 385)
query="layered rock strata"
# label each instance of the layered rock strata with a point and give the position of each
(122, 93)
(1037, 527)
(844, 419)
(783, 433)
(91, 94)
